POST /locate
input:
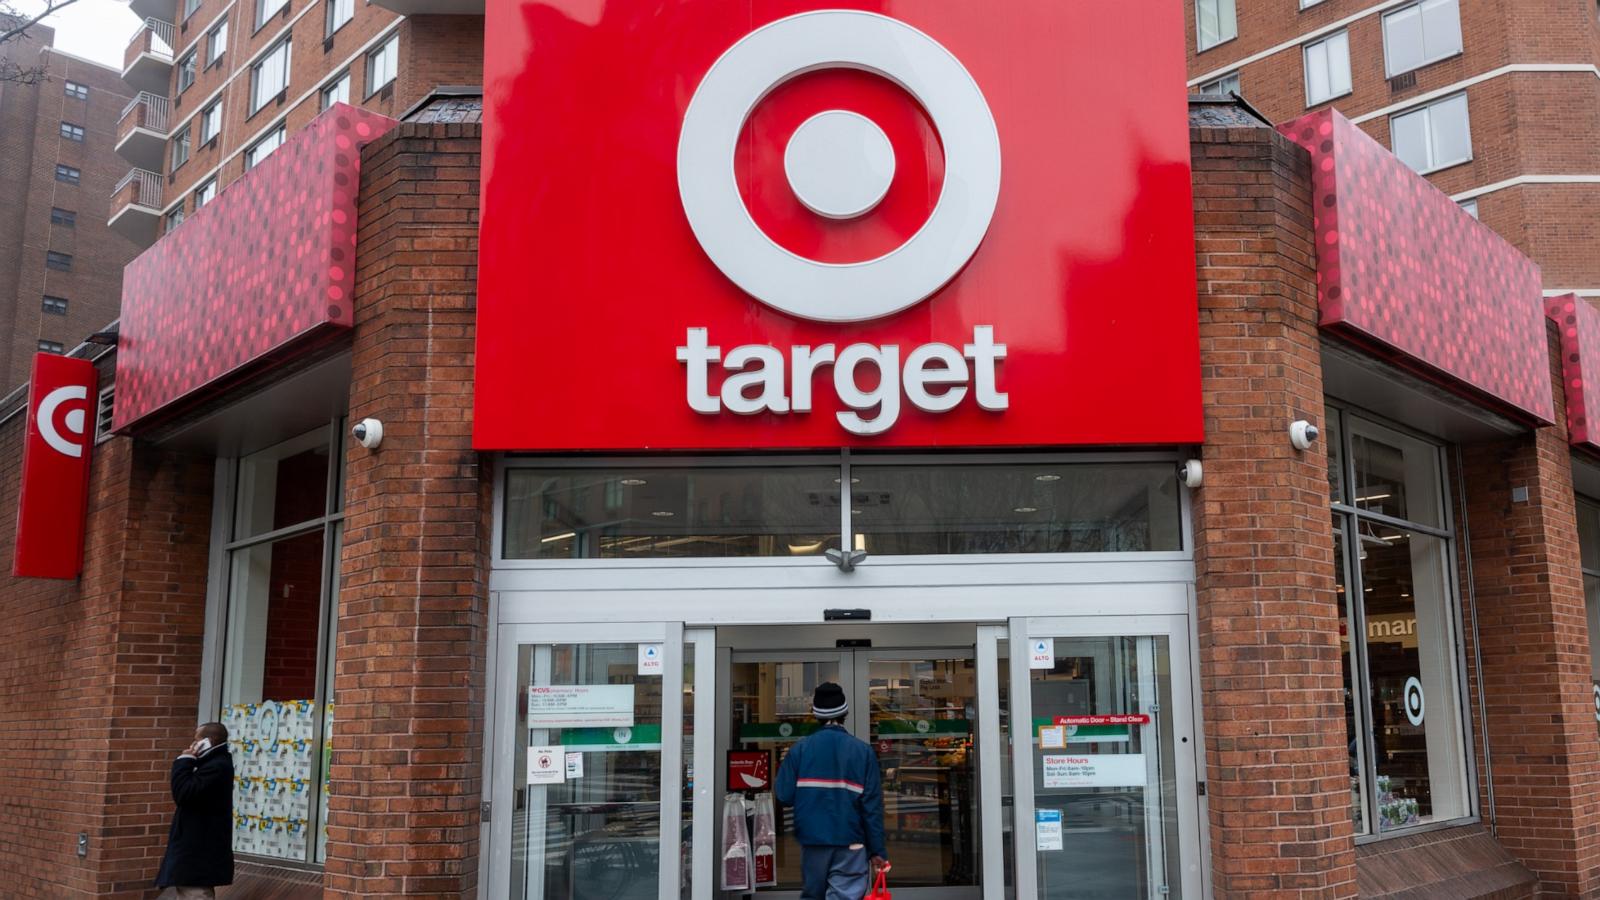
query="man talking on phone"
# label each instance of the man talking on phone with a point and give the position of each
(200, 845)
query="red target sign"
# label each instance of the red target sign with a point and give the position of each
(55, 468)
(792, 224)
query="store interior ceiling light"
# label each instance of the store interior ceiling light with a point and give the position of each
(663, 513)
(1047, 477)
(559, 537)
(1024, 509)
(1372, 497)
(633, 482)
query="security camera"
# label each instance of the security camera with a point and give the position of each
(846, 560)
(1191, 472)
(1302, 434)
(369, 432)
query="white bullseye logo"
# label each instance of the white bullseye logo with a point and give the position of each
(1412, 697)
(839, 164)
(74, 421)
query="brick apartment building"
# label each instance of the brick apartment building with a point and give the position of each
(1496, 101)
(1303, 610)
(60, 266)
(222, 83)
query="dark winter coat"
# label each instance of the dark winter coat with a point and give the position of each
(834, 782)
(200, 844)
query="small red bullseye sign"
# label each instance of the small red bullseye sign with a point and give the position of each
(798, 225)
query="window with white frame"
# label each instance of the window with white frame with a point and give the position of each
(189, 7)
(180, 148)
(382, 64)
(1227, 84)
(1215, 22)
(175, 218)
(186, 71)
(1327, 68)
(339, 12)
(210, 122)
(280, 553)
(269, 77)
(266, 9)
(216, 42)
(1470, 207)
(205, 193)
(1307, 4)
(263, 148)
(1400, 635)
(1420, 34)
(337, 91)
(1433, 137)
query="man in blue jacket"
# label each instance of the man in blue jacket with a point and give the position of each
(832, 781)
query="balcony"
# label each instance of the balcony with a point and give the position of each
(147, 63)
(144, 9)
(136, 206)
(142, 131)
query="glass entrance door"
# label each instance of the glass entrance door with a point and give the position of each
(917, 709)
(1103, 775)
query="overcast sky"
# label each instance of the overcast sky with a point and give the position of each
(94, 29)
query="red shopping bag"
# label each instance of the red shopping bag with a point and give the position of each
(880, 888)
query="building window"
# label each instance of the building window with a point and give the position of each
(1420, 34)
(68, 174)
(1215, 22)
(186, 70)
(55, 306)
(381, 64)
(210, 122)
(1226, 85)
(1433, 136)
(180, 148)
(338, 91)
(72, 132)
(175, 218)
(52, 347)
(216, 42)
(281, 558)
(59, 261)
(1307, 4)
(205, 193)
(1393, 555)
(265, 9)
(66, 218)
(1589, 551)
(189, 7)
(1328, 68)
(651, 511)
(263, 148)
(77, 91)
(1470, 207)
(105, 413)
(339, 12)
(270, 76)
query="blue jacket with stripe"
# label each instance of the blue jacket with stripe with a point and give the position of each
(833, 782)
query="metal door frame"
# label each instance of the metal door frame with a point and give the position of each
(1181, 716)
(510, 638)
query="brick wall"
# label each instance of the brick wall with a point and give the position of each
(1529, 607)
(1268, 619)
(99, 677)
(413, 626)
(31, 145)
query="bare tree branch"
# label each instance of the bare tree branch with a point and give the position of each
(14, 26)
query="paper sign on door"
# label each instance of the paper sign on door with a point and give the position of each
(574, 766)
(1099, 770)
(650, 659)
(580, 706)
(546, 765)
(1047, 829)
(1042, 653)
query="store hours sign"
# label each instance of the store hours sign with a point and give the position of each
(729, 224)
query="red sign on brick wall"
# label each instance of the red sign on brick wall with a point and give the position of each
(55, 468)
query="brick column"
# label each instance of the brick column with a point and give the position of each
(1268, 618)
(1538, 707)
(412, 624)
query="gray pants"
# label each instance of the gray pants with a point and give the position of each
(188, 893)
(833, 873)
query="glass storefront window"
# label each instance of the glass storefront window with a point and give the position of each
(1400, 629)
(949, 507)
(281, 585)
(1589, 548)
(639, 512)
(1016, 508)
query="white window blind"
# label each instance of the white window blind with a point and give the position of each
(1328, 68)
(1434, 136)
(1421, 34)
